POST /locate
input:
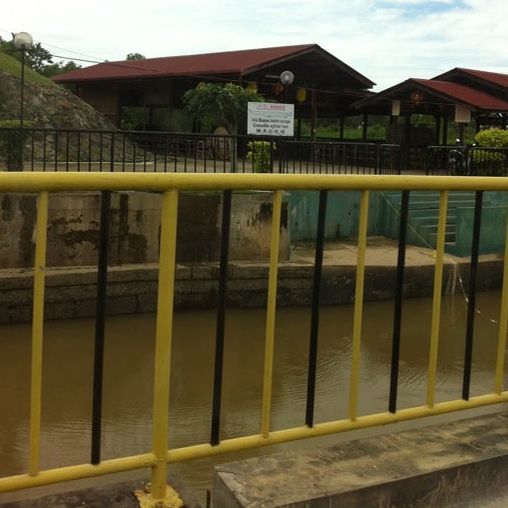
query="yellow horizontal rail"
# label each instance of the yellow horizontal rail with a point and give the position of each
(74, 181)
(244, 443)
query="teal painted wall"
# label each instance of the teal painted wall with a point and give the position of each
(492, 233)
(341, 216)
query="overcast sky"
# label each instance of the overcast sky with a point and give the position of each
(386, 40)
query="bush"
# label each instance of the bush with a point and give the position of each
(490, 162)
(12, 143)
(495, 138)
(260, 154)
(487, 162)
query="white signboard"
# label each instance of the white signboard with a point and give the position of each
(270, 119)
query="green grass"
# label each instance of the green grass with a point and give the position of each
(12, 66)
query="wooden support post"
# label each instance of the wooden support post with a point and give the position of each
(460, 132)
(313, 120)
(437, 131)
(365, 125)
(341, 132)
(445, 130)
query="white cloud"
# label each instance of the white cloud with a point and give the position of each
(387, 40)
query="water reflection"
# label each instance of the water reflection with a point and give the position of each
(128, 380)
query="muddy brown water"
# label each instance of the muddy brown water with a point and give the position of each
(67, 388)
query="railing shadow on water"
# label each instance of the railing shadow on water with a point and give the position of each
(170, 186)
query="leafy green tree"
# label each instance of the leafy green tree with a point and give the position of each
(224, 105)
(36, 57)
(39, 59)
(59, 68)
(135, 56)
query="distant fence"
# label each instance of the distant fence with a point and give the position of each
(41, 149)
(466, 161)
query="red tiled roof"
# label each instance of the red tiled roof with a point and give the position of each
(227, 62)
(465, 94)
(492, 77)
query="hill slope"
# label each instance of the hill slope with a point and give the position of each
(46, 103)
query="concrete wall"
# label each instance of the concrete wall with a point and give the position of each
(71, 292)
(73, 228)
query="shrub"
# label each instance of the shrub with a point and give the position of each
(492, 160)
(12, 142)
(495, 138)
(260, 154)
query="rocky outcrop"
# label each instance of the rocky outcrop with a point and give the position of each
(47, 105)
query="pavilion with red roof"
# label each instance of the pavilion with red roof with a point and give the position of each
(324, 86)
(460, 95)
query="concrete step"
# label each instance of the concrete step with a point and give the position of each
(443, 465)
(425, 216)
(432, 238)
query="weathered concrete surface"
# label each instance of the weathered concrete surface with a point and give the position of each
(445, 465)
(73, 228)
(114, 495)
(71, 292)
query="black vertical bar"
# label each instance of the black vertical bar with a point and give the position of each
(112, 153)
(144, 155)
(166, 148)
(123, 152)
(134, 156)
(56, 150)
(221, 318)
(67, 151)
(101, 154)
(471, 308)
(78, 148)
(32, 155)
(314, 322)
(397, 313)
(44, 149)
(102, 280)
(89, 151)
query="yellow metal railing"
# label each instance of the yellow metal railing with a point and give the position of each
(170, 185)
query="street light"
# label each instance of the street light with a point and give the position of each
(286, 78)
(22, 41)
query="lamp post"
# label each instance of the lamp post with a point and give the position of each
(286, 79)
(22, 41)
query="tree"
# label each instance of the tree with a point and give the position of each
(135, 56)
(38, 58)
(59, 68)
(224, 105)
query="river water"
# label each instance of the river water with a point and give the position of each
(67, 376)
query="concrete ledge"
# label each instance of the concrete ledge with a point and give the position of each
(71, 292)
(434, 466)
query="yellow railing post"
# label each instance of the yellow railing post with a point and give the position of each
(37, 331)
(503, 320)
(436, 298)
(358, 309)
(164, 332)
(270, 314)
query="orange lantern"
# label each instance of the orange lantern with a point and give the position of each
(301, 94)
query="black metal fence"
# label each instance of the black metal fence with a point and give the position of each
(464, 160)
(41, 149)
